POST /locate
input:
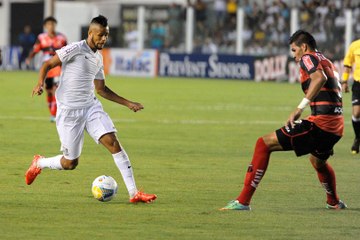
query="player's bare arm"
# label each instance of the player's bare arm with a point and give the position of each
(107, 93)
(318, 79)
(46, 66)
(345, 76)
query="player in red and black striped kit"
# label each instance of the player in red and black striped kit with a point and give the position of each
(315, 135)
(48, 42)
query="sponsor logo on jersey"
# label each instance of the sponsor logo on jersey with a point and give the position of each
(70, 48)
(307, 62)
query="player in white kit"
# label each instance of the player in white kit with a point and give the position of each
(80, 110)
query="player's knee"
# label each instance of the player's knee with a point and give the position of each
(269, 140)
(70, 164)
(115, 145)
(319, 161)
(319, 164)
(111, 142)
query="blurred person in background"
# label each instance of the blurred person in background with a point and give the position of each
(47, 43)
(200, 16)
(220, 11)
(351, 59)
(209, 47)
(231, 8)
(131, 36)
(176, 35)
(26, 42)
(157, 35)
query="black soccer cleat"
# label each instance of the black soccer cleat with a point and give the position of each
(355, 146)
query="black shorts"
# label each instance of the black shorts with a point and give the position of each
(50, 83)
(306, 138)
(355, 93)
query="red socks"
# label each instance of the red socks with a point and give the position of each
(255, 171)
(51, 100)
(53, 107)
(327, 179)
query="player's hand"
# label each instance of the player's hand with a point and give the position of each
(345, 87)
(38, 90)
(134, 106)
(295, 115)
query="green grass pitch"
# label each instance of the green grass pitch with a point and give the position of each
(191, 146)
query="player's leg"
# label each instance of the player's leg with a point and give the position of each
(356, 116)
(327, 178)
(122, 161)
(256, 171)
(50, 97)
(322, 151)
(283, 139)
(58, 162)
(102, 130)
(257, 168)
(355, 119)
(70, 126)
(53, 107)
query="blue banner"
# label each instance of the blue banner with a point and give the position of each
(206, 66)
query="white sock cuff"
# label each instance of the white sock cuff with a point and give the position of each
(121, 156)
(52, 162)
(355, 119)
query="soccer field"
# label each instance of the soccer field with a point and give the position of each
(191, 146)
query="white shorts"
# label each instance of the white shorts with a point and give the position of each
(71, 123)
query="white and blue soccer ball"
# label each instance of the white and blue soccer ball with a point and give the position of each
(104, 188)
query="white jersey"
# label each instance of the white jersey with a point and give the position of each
(80, 66)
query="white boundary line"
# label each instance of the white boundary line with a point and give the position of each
(162, 121)
(168, 121)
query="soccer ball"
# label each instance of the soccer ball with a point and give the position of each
(104, 188)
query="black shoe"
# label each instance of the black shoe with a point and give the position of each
(355, 146)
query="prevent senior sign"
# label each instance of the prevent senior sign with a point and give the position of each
(206, 66)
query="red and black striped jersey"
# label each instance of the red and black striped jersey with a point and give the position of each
(48, 45)
(326, 107)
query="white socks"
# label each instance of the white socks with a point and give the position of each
(121, 160)
(52, 162)
(123, 163)
(354, 119)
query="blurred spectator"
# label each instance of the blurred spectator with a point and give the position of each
(356, 26)
(209, 47)
(200, 10)
(326, 20)
(231, 8)
(220, 12)
(200, 16)
(26, 42)
(266, 25)
(131, 36)
(157, 35)
(176, 35)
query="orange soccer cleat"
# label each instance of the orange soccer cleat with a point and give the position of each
(143, 197)
(33, 170)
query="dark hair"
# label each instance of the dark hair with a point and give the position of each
(103, 21)
(49, 19)
(301, 36)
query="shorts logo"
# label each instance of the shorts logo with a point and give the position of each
(307, 62)
(66, 152)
